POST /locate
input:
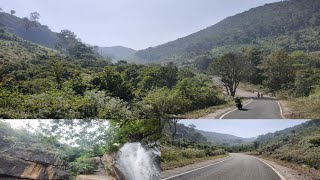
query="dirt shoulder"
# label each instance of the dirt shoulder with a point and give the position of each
(175, 171)
(287, 111)
(292, 171)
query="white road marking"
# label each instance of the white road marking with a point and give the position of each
(195, 169)
(234, 109)
(281, 112)
(281, 177)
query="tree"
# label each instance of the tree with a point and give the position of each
(231, 68)
(169, 73)
(173, 128)
(112, 81)
(280, 71)
(65, 37)
(31, 21)
(12, 12)
(34, 16)
(202, 62)
(254, 55)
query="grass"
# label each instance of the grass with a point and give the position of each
(174, 157)
(184, 162)
(203, 112)
(305, 169)
(306, 107)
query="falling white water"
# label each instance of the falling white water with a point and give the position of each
(137, 162)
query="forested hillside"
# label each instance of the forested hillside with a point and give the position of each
(224, 139)
(299, 144)
(38, 82)
(291, 25)
(23, 28)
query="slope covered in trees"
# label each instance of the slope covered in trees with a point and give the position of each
(299, 144)
(39, 34)
(291, 25)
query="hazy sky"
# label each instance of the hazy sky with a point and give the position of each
(132, 23)
(242, 128)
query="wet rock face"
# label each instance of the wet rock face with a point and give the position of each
(29, 163)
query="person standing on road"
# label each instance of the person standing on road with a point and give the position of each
(258, 94)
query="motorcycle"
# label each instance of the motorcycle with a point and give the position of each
(238, 104)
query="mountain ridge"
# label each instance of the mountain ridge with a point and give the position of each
(286, 24)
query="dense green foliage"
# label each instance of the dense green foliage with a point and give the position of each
(38, 82)
(291, 25)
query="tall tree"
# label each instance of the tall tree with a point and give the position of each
(34, 16)
(12, 12)
(231, 68)
(31, 21)
(280, 70)
(255, 56)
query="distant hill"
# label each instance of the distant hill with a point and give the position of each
(193, 134)
(40, 35)
(117, 52)
(292, 25)
(225, 139)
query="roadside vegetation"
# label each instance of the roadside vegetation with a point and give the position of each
(292, 76)
(38, 82)
(180, 149)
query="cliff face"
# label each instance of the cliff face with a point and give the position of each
(18, 161)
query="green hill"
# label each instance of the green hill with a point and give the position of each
(292, 25)
(224, 139)
(116, 52)
(40, 34)
(299, 144)
(194, 135)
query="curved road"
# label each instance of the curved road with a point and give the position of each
(237, 167)
(258, 108)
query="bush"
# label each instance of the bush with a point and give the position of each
(83, 165)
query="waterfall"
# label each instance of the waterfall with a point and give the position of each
(137, 162)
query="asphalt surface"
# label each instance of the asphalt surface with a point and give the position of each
(259, 108)
(238, 167)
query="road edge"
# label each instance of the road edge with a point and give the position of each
(278, 173)
(189, 171)
(281, 111)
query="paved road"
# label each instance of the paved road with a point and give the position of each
(238, 167)
(258, 108)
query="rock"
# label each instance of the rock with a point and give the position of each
(108, 162)
(30, 162)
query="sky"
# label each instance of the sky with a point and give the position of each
(242, 128)
(137, 24)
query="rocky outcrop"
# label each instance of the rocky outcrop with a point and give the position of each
(29, 163)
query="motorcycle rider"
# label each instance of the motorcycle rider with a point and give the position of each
(238, 103)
